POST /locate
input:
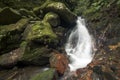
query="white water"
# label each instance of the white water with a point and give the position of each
(79, 46)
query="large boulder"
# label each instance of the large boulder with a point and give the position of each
(49, 74)
(59, 8)
(28, 54)
(34, 54)
(8, 16)
(41, 32)
(52, 18)
(10, 35)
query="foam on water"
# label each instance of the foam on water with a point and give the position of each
(79, 46)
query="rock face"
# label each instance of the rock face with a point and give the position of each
(52, 18)
(9, 16)
(59, 62)
(49, 74)
(10, 35)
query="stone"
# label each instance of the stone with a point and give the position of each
(52, 18)
(49, 74)
(8, 60)
(40, 32)
(59, 62)
(58, 8)
(34, 54)
(62, 11)
(10, 35)
(9, 16)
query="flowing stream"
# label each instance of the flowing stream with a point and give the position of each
(79, 46)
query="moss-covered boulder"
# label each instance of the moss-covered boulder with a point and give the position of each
(49, 74)
(59, 8)
(52, 18)
(62, 10)
(8, 16)
(34, 54)
(41, 32)
(10, 35)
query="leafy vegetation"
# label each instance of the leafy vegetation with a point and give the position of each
(92, 6)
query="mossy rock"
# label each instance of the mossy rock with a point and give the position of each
(62, 10)
(27, 13)
(34, 55)
(9, 16)
(10, 35)
(41, 32)
(46, 75)
(52, 18)
(59, 8)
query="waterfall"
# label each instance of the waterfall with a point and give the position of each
(79, 46)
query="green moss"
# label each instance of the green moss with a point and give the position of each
(41, 32)
(10, 35)
(33, 54)
(61, 10)
(16, 26)
(46, 75)
(52, 18)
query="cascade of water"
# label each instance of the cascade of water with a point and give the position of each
(79, 46)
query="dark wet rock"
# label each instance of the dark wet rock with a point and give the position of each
(41, 32)
(25, 73)
(52, 18)
(60, 32)
(9, 16)
(8, 60)
(59, 62)
(34, 54)
(49, 74)
(102, 75)
(97, 69)
(59, 8)
(10, 35)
